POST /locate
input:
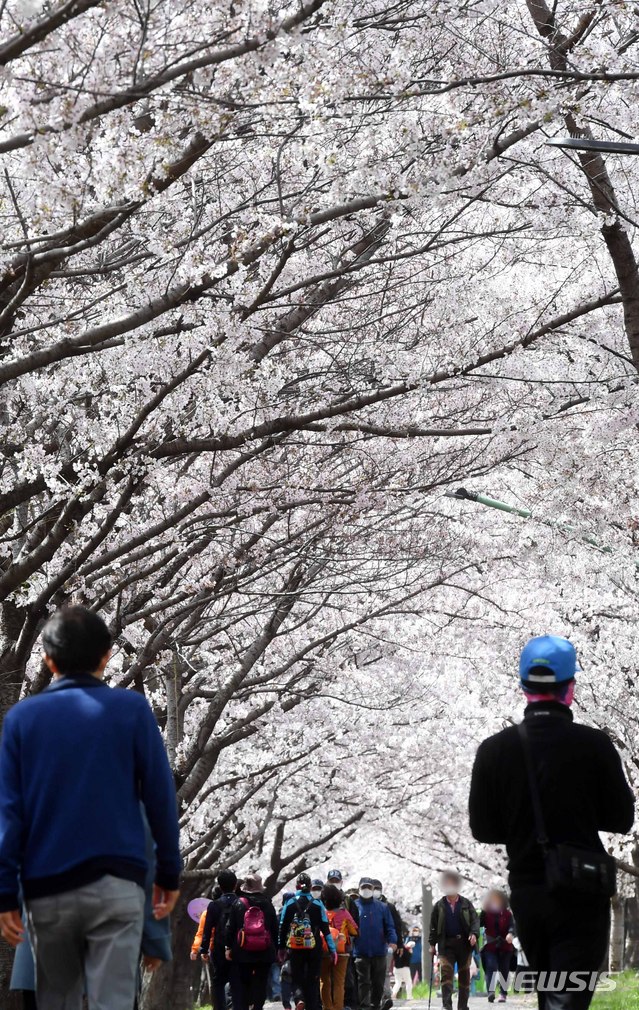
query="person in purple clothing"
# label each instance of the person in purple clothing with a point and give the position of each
(76, 761)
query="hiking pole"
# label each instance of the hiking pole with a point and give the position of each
(432, 973)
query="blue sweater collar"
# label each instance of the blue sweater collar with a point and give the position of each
(82, 680)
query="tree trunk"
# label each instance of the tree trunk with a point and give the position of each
(617, 934)
(631, 959)
(8, 1000)
(177, 984)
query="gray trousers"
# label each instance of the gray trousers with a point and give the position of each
(88, 941)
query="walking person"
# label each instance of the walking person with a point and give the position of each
(336, 878)
(343, 929)
(545, 789)
(250, 945)
(349, 902)
(376, 937)
(497, 920)
(75, 761)
(454, 931)
(302, 925)
(416, 956)
(212, 948)
(403, 973)
(378, 894)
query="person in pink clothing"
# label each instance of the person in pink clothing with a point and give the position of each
(343, 928)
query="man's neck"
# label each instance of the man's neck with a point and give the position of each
(452, 898)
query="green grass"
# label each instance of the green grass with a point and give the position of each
(625, 996)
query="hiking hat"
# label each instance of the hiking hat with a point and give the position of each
(546, 662)
(253, 884)
(303, 882)
(335, 875)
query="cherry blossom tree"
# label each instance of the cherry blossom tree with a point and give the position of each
(263, 299)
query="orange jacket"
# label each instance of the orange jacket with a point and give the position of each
(197, 940)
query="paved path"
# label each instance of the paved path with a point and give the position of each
(476, 1003)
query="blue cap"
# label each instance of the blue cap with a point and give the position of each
(334, 875)
(547, 661)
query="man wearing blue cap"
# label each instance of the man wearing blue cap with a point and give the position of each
(573, 775)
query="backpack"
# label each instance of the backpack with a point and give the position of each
(254, 935)
(218, 939)
(301, 935)
(340, 938)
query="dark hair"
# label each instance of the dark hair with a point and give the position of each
(303, 882)
(227, 881)
(77, 640)
(332, 897)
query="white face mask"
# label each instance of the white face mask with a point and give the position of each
(451, 891)
(317, 892)
(366, 892)
(377, 893)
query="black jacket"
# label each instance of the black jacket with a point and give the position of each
(217, 916)
(581, 781)
(236, 921)
(437, 931)
(397, 921)
(403, 960)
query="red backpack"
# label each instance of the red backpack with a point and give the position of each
(254, 935)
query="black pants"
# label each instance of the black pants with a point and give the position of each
(29, 1000)
(249, 980)
(221, 975)
(561, 935)
(371, 976)
(305, 976)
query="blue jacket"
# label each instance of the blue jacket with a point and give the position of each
(75, 761)
(156, 934)
(376, 929)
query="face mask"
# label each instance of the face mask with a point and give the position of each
(377, 893)
(451, 891)
(366, 892)
(317, 892)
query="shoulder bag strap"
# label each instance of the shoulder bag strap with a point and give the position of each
(540, 827)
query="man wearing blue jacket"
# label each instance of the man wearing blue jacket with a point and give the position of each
(75, 762)
(377, 934)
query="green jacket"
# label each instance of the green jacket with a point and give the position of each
(437, 933)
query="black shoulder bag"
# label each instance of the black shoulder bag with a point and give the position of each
(568, 868)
